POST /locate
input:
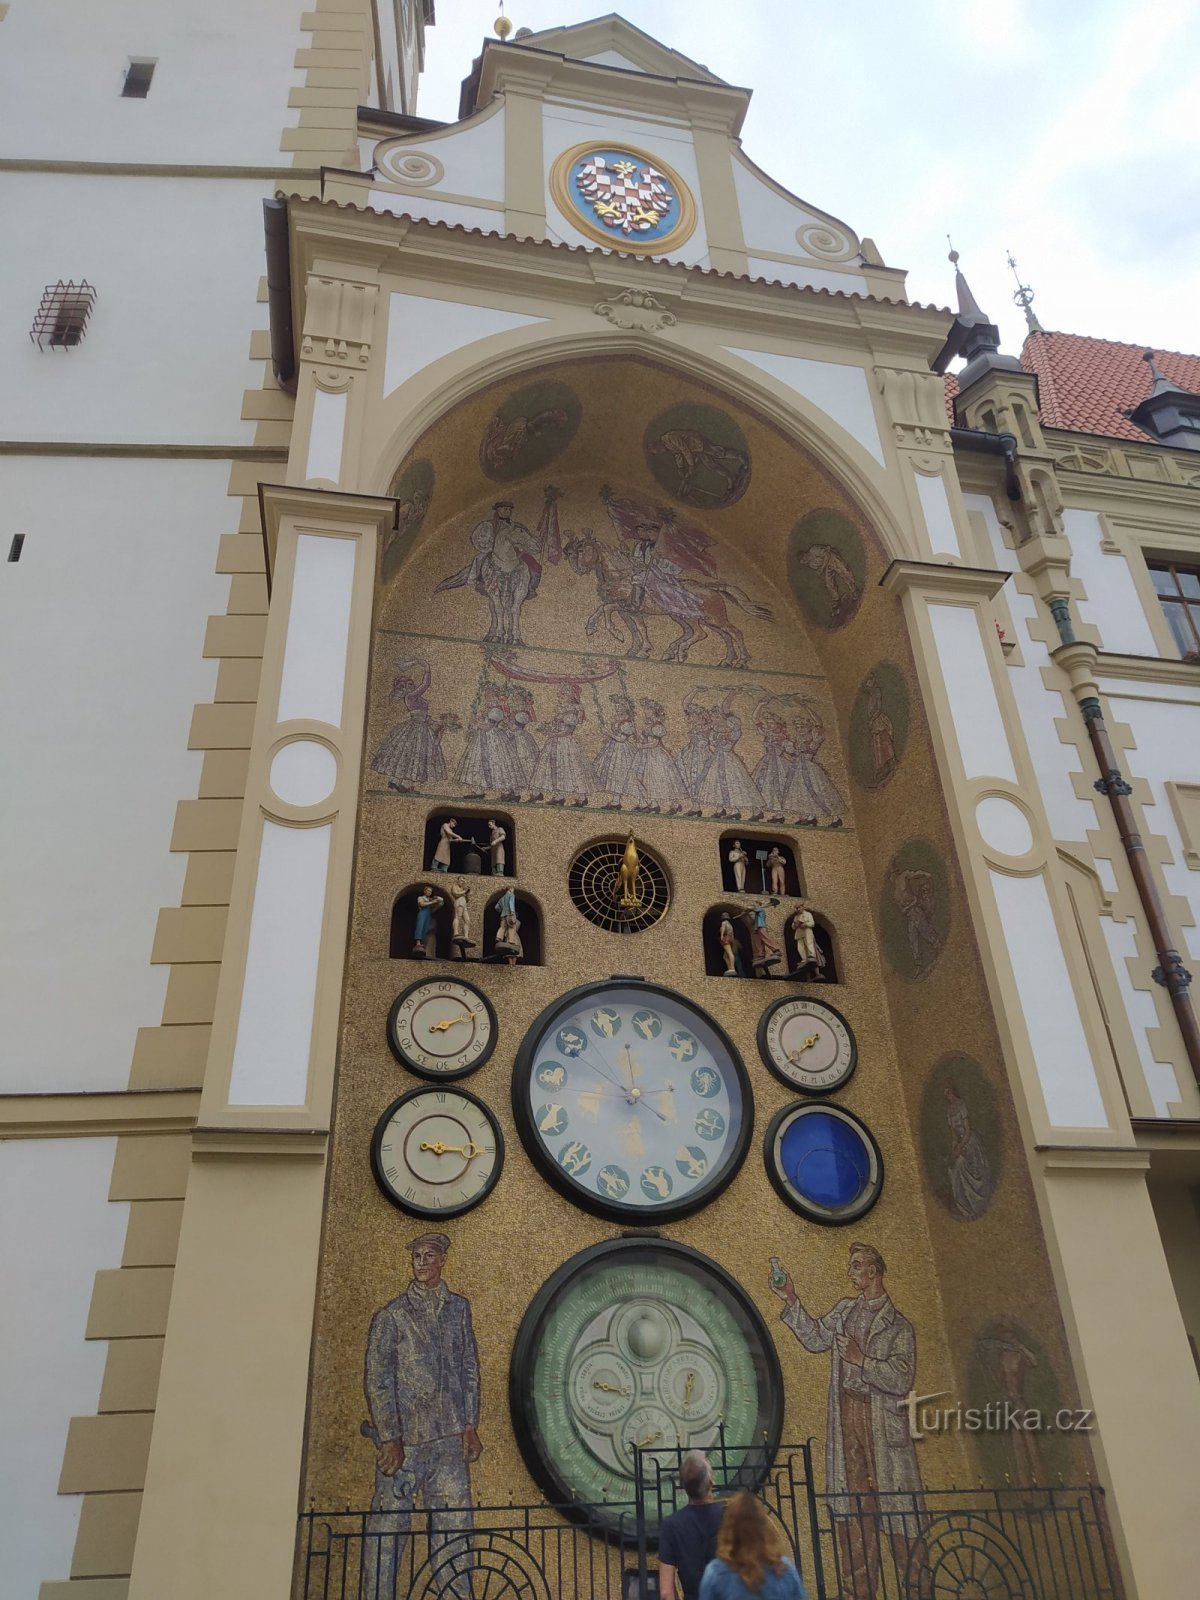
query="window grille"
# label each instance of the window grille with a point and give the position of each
(63, 314)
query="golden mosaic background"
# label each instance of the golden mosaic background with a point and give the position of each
(950, 1277)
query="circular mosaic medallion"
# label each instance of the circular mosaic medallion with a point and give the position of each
(618, 885)
(623, 198)
(698, 454)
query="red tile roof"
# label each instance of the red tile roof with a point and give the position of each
(1087, 385)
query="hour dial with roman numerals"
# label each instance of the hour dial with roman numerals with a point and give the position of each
(437, 1152)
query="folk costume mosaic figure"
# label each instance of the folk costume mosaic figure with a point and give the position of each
(614, 765)
(488, 764)
(697, 752)
(655, 775)
(425, 931)
(870, 1456)
(563, 771)
(774, 766)
(410, 755)
(765, 951)
(726, 787)
(496, 847)
(811, 796)
(738, 860)
(520, 714)
(460, 899)
(508, 933)
(421, 1384)
(731, 950)
(507, 566)
(777, 871)
(448, 836)
(810, 958)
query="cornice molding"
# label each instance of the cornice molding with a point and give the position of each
(332, 509)
(95, 1114)
(1149, 669)
(941, 578)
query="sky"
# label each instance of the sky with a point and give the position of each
(1064, 131)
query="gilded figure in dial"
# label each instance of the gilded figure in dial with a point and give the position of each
(632, 1101)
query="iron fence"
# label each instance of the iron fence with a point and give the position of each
(1027, 1543)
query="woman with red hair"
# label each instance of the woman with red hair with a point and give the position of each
(750, 1559)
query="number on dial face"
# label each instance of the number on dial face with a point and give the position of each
(631, 1099)
(807, 1044)
(442, 1028)
(437, 1152)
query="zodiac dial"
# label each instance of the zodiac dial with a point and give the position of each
(807, 1044)
(442, 1028)
(437, 1152)
(655, 1349)
(632, 1101)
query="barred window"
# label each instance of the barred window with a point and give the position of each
(137, 78)
(62, 317)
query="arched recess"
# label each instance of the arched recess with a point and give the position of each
(419, 405)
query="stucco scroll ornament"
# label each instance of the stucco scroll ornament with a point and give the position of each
(824, 240)
(916, 398)
(635, 308)
(339, 318)
(413, 168)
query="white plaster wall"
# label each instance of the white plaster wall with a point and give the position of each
(1113, 604)
(60, 1230)
(564, 126)
(1167, 733)
(421, 330)
(939, 519)
(837, 388)
(974, 709)
(770, 220)
(176, 265)
(218, 97)
(101, 629)
(472, 157)
(1071, 818)
(612, 58)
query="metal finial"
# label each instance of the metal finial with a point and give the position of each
(502, 25)
(1024, 298)
(953, 251)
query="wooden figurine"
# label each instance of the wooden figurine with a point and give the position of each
(777, 869)
(765, 950)
(425, 933)
(495, 845)
(731, 953)
(738, 860)
(810, 958)
(508, 935)
(460, 935)
(447, 836)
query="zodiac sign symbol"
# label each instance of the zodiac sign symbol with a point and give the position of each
(705, 1082)
(552, 1119)
(693, 1163)
(647, 1024)
(710, 1124)
(552, 1077)
(613, 1182)
(657, 1181)
(575, 1158)
(605, 1021)
(570, 1042)
(682, 1046)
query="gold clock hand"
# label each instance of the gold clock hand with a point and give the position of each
(452, 1022)
(608, 1388)
(807, 1044)
(688, 1387)
(649, 1439)
(469, 1150)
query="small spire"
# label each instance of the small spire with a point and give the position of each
(968, 307)
(1024, 298)
(1159, 382)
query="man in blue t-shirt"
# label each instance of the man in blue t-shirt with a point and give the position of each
(687, 1539)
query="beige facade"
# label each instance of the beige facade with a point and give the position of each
(436, 275)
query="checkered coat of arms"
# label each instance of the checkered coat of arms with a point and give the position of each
(627, 196)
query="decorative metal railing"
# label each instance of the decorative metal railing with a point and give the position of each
(1029, 1543)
